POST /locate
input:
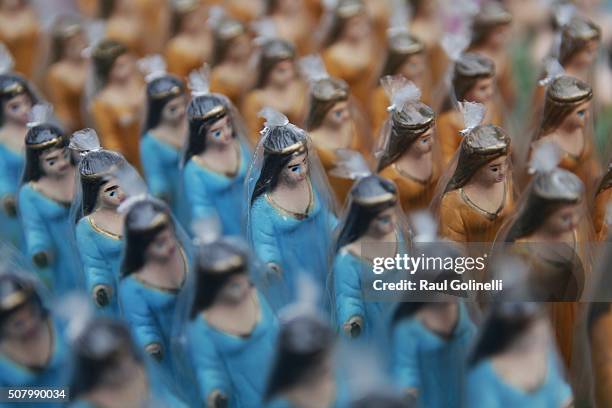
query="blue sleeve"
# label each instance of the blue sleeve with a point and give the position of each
(347, 289)
(153, 172)
(209, 369)
(263, 236)
(138, 314)
(195, 190)
(406, 369)
(5, 182)
(561, 392)
(34, 227)
(97, 270)
(480, 391)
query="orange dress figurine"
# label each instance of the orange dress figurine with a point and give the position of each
(155, 16)
(473, 81)
(425, 24)
(278, 86)
(20, 33)
(294, 22)
(350, 51)
(124, 25)
(117, 106)
(603, 198)
(192, 44)
(409, 157)
(67, 73)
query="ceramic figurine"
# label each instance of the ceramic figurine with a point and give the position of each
(66, 76)
(163, 135)
(473, 81)
(291, 210)
(578, 49)
(45, 196)
(349, 48)
(231, 330)
(117, 106)
(601, 205)
(278, 86)
(99, 229)
(33, 348)
(381, 399)
(20, 31)
(123, 24)
(333, 122)
(216, 160)
(294, 22)
(409, 155)
(192, 42)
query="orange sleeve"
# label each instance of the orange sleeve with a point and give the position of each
(59, 96)
(378, 110)
(104, 119)
(451, 223)
(448, 136)
(601, 356)
(175, 60)
(250, 110)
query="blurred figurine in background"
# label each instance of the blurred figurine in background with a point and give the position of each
(192, 43)
(230, 75)
(123, 24)
(117, 105)
(278, 86)
(66, 76)
(293, 22)
(578, 50)
(291, 210)
(99, 230)
(333, 122)
(216, 159)
(231, 332)
(473, 81)
(603, 198)
(33, 349)
(46, 192)
(245, 11)
(427, 26)
(349, 48)
(163, 135)
(20, 31)
(409, 154)
(16, 101)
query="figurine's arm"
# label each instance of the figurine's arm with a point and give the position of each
(154, 174)
(349, 302)
(264, 237)
(38, 240)
(202, 207)
(451, 223)
(103, 118)
(59, 98)
(250, 112)
(482, 393)
(406, 369)
(212, 380)
(8, 204)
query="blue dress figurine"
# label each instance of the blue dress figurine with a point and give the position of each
(99, 229)
(153, 273)
(44, 208)
(231, 332)
(35, 353)
(163, 137)
(215, 163)
(291, 217)
(16, 94)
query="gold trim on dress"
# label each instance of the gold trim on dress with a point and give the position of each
(104, 232)
(241, 336)
(293, 214)
(411, 177)
(172, 291)
(200, 162)
(47, 143)
(297, 147)
(491, 216)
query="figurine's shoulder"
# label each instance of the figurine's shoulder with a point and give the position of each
(452, 199)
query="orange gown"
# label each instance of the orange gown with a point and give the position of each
(414, 194)
(66, 95)
(129, 34)
(601, 359)
(225, 85)
(602, 200)
(155, 17)
(182, 58)
(22, 38)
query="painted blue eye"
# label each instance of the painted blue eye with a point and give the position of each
(296, 169)
(338, 114)
(217, 134)
(113, 193)
(581, 113)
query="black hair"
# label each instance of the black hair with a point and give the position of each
(202, 113)
(160, 91)
(273, 52)
(45, 133)
(12, 85)
(94, 170)
(13, 286)
(304, 342)
(143, 222)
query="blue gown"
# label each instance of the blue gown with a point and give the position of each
(297, 245)
(100, 253)
(160, 166)
(211, 194)
(47, 228)
(11, 166)
(56, 373)
(433, 365)
(236, 366)
(486, 389)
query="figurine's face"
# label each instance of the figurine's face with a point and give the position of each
(296, 170)
(282, 73)
(235, 290)
(110, 195)
(383, 224)
(578, 118)
(337, 116)
(424, 143)
(493, 172)
(357, 27)
(240, 48)
(175, 110)
(17, 109)
(562, 220)
(74, 46)
(23, 322)
(163, 246)
(413, 68)
(482, 91)
(584, 58)
(221, 132)
(56, 162)
(123, 68)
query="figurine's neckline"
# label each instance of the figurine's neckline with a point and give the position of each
(297, 215)
(172, 291)
(200, 162)
(65, 204)
(241, 336)
(162, 141)
(405, 174)
(34, 369)
(352, 252)
(102, 231)
(488, 214)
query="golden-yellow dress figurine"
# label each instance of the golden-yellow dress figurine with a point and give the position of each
(490, 31)
(156, 18)
(478, 197)
(20, 32)
(245, 11)
(409, 156)
(380, 12)
(425, 24)
(294, 22)
(192, 43)
(117, 106)
(278, 86)
(603, 198)
(124, 24)
(599, 332)
(67, 73)
(230, 74)
(566, 122)
(473, 81)
(406, 57)
(350, 51)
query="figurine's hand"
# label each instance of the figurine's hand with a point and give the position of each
(102, 295)
(9, 204)
(217, 399)
(155, 351)
(41, 259)
(411, 396)
(274, 272)
(352, 328)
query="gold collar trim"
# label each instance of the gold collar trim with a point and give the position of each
(489, 215)
(102, 231)
(411, 177)
(293, 214)
(200, 162)
(172, 291)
